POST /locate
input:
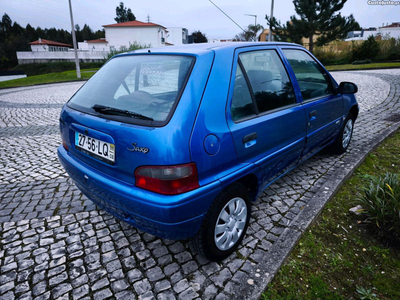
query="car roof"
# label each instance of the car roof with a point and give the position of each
(206, 47)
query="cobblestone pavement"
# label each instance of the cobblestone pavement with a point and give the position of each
(55, 244)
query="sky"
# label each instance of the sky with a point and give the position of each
(194, 15)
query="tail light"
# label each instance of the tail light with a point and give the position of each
(64, 143)
(167, 180)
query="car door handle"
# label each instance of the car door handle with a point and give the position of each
(313, 113)
(249, 137)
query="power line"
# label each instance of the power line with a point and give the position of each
(227, 16)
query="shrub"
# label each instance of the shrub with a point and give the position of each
(380, 200)
(132, 47)
(389, 48)
(55, 67)
(335, 53)
(368, 50)
(361, 62)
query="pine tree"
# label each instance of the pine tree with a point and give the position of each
(199, 37)
(316, 17)
(123, 14)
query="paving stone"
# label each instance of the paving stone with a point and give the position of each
(167, 295)
(210, 292)
(113, 265)
(188, 294)
(181, 286)
(100, 284)
(170, 269)
(219, 279)
(125, 295)
(89, 246)
(103, 294)
(8, 296)
(6, 287)
(183, 257)
(162, 286)
(118, 286)
(142, 286)
(164, 260)
(61, 289)
(58, 279)
(11, 276)
(77, 282)
(39, 288)
(80, 292)
(22, 287)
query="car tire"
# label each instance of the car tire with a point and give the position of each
(225, 223)
(346, 132)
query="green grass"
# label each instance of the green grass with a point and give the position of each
(48, 78)
(366, 66)
(338, 257)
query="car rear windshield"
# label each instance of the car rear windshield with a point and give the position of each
(138, 89)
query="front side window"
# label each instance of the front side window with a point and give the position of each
(137, 87)
(313, 80)
(270, 84)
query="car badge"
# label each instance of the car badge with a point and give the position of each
(135, 148)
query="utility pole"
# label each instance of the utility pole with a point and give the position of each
(270, 37)
(255, 24)
(78, 69)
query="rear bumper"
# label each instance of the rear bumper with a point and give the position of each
(172, 217)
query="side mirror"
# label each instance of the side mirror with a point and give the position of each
(348, 88)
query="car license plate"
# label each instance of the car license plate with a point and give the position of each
(101, 150)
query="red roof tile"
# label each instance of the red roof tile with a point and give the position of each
(396, 24)
(134, 24)
(49, 43)
(97, 41)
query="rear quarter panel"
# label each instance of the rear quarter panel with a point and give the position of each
(211, 119)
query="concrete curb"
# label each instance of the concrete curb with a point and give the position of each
(366, 69)
(39, 84)
(287, 241)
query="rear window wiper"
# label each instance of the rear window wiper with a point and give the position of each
(107, 110)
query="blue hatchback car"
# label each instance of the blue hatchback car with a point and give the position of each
(177, 141)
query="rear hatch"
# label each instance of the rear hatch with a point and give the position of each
(127, 115)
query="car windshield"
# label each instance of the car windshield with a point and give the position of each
(135, 88)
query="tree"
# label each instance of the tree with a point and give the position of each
(369, 49)
(250, 34)
(123, 14)
(199, 37)
(317, 17)
(6, 23)
(87, 33)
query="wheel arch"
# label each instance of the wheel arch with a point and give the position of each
(250, 181)
(354, 111)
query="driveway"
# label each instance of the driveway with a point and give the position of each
(55, 243)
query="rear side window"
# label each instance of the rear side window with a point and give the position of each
(242, 103)
(313, 80)
(270, 87)
(142, 88)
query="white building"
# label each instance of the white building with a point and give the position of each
(94, 45)
(388, 31)
(177, 35)
(117, 36)
(392, 30)
(122, 34)
(47, 45)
